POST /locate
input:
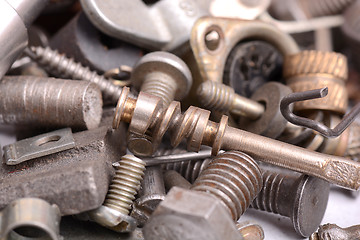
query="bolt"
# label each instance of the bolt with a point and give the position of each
(334, 232)
(218, 96)
(164, 75)
(195, 125)
(49, 102)
(221, 194)
(301, 198)
(114, 213)
(59, 64)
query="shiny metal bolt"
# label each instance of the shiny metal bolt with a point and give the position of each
(114, 213)
(303, 199)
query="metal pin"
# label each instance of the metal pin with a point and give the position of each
(317, 126)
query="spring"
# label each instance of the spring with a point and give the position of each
(125, 184)
(320, 8)
(232, 177)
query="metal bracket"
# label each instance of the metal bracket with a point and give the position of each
(39, 146)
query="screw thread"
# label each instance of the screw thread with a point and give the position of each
(267, 199)
(324, 7)
(232, 177)
(190, 170)
(125, 184)
(59, 64)
(160, 85)
(216, 96)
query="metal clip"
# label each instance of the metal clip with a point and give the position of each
(316, 126)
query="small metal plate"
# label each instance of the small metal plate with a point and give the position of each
(39, 146)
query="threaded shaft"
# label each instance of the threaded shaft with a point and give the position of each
(160, 85)
(216, 96)
(190, 170)
(267, 199)
(57, 63)
(324, 7)
(234, 178)
(125, 184)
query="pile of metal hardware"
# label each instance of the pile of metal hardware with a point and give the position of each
(169, 119)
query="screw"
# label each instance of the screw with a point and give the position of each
(232, 179)
(195, 125)
(218, 96)
(114, 213)
(303, 199)
(57, 63)
(49, 102)
(334, 232)
(164, 75)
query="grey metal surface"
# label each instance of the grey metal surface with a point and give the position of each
(76, 179)
(334, 232)
(30, 218)
(49, 102)
(80, 40)
(39, 146)
(16, 16)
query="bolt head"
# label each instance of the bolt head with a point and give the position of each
(186, 214)
(167, 63)
(112, 219)
(310, 204)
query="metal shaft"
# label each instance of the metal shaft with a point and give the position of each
(217, 96)
(49, 102)
(195, 125)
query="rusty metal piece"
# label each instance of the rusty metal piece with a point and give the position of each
(195, 126)
(76, 180)
(301, 198)
(49, 102)
(59, 64)
(211, 62)
(223, 192)
(334, 232)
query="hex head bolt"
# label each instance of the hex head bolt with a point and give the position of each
(164, 75)
(334, 232)
(59, 64)
(49, 102)
(217, 199)
(301, 198)
(114, 213)
(146, 113)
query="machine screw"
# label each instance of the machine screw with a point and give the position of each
(114, 213)
(303, 199)
(232, 179)
(59, 64)
(217, 96)
(334, 232)
(164, 75)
